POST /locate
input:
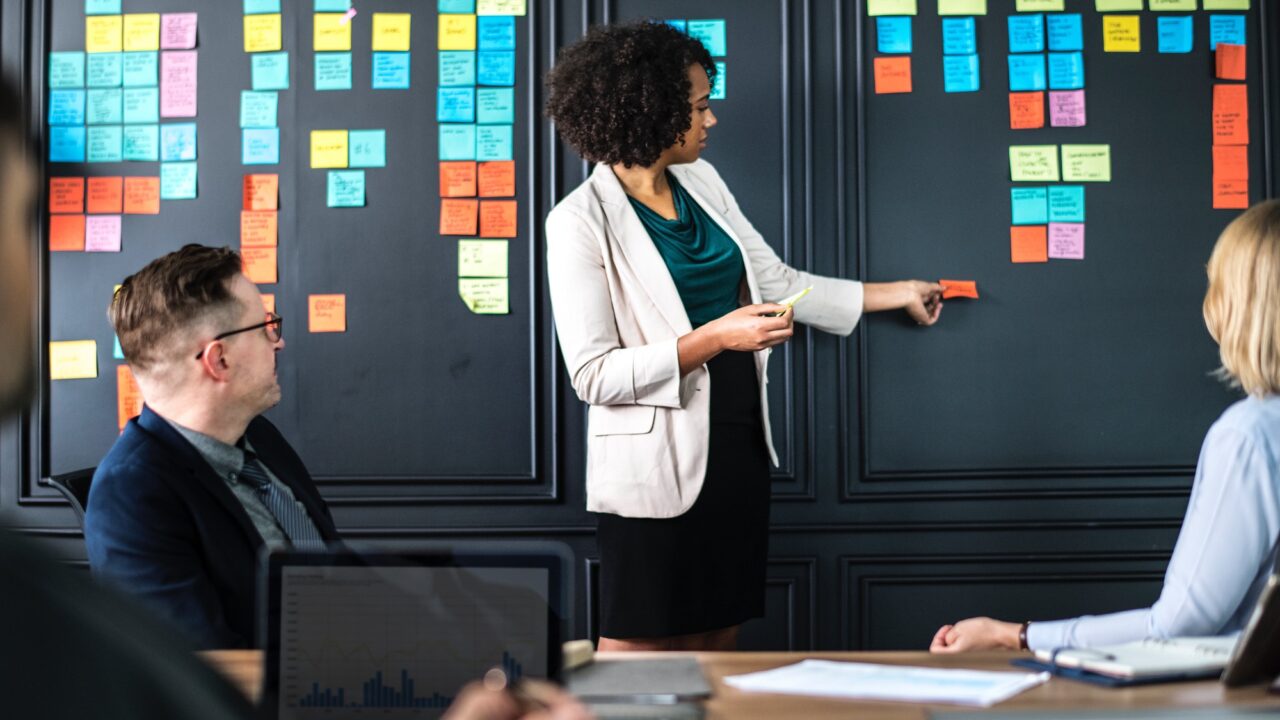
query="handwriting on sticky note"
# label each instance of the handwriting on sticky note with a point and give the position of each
(367, 148)
(1086, 163)
(1029, 243)
(1066, 241)
(498, 218)
(262, 33)
(1113, 5)
(258, 228)
(458, 179)
(1230, 114)
(391, 31)
(345, 188)
(1230, 194)
(73, 359)
(1230, 61)
(261, 192)
(326, 313)
(497, 179)
(1033, 163)
(178, 31)
(1039, 5)
(102, 233)
(105, 194)
(959, 289)
(500, 7)
(1230, 162)
(178, 83)
(259, 264)
(141, 32)
(1066, 203)
(485, 296)
(892, 75)
(1026, 110)
(66, 194)
(1066, 108)
(482, 258)
(962, 7)
(128, 396)
(457, 32)
(331, 32)
(329, 148)
(1121, 33)
(103, 33)
(459, 217)
(1030, 205)
(891, 7)
(141, 195)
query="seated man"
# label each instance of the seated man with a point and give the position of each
(199, 484)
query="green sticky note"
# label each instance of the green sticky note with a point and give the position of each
(258, 109)
(1114, 5)
(1039, 5)
(1086, 163)
(484, 296)
(495, 106)
(1033, 163)
(141, 105)
(891, 7)
(104, 107)
(1171, 5)
(105, 144)
(346, 188)
(367, 148)
(962, 7)
(104, 70)
(141, 69)
(178, 181)
(66, 69)
(482, 258)
(142, 143)
(270, 71)
(457, 68)
(1226, 4)
(493, 142)
(333, 71)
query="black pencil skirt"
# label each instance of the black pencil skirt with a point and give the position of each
(703, 570)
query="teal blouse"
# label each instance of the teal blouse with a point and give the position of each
(704, 261)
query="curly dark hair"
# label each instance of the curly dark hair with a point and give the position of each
(621, 94)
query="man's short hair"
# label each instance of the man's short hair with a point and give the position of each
(157, 304)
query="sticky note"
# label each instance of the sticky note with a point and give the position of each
(140, 69)
(141, 195)
(261, 192)
(457, 179)
(326, 313)
(1029, 243)
(258, 7)
(333, 70)
(1066, 203)
(718, 87)
(330, 31)
(891, 7)
(66, 70)
(498, 218)
(457, 142)
(1064, 32)
(367, 148)
(959, 289)
(104, 70)
(178, 181)
(178, 142)
(269, 302)
(338, 6)
(1226, 4)
(260, 264)
(1226, 29)
(496, 68)
(1066, 71)
(1171, 5)
(1026, 33)
(73, 360)
(1087, 163)
(892, 75)
(178, 31)
(495, 32)
(105, 143)
(105, 194)
(1066, 108)
(270, 71)
(104, 106)
(258, 109)
(67, 144)
(711, 33)
(1026, 72)
(262, 33)
(1230, 114)
(103, 33)
(178, 83)
(128, 396)
(493, 142)
(457, 68)
(345, 188)
(500, 7)
(66, 194)
(66, 233)
(1033, 163)
(1229, 61)
(116, 351)
(141, 105)
(1175, 34)
(1230, 194)
(1026, 110)
(329, 148)
(459, 217)
(260, 146)
(960, 73)
(962, 7)
(457, 32)
(495, 106)
(1030, 205)
(893, 34)
(496, 179)
(391, 31)
(456, 6)
(1038, 5)
(1114, 5)
(102, 233)
(141, 31)
(959, 36)
(391, 71)
(259, 228)
(1066, 241)
(66, 107)
(101, 7)
(456, 104)
(482, 258)
(485, 296)
(1231, 162)
(1121, 33)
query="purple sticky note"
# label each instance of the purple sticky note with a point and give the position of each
(102, 233)
(178, 83)
(177, 31)
(1066, 241)
(1066, 108)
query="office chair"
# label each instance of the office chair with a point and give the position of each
(74, 486)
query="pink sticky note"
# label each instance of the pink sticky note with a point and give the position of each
(102, 233)
(177, 31)
(178, 83)
(1066, 108)
(1066, 241)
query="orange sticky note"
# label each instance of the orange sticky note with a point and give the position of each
(959, 288)
(497, 178)
(66, 195)
(893, 75)
(327, 313)
(1029, 243)
(258, 228)
(66, 233)
(458, 179)
(1026, 110)
(261, 192)
(1230, 162)
(1230, 194)
(1230, 61)
(260, 264)
(1230, 114)
(106, 195)
(458, 217)
(128, 396)
(269, 302)
(142, 195)
(498, 218)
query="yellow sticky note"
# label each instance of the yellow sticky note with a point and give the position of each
(500, 7)
(1033, 163)
(1226, 4)
(73, 360)
(391, 31)
(891, 7)
(1114, 5)
(262, 33)
(962, 7)
(1086, 163)
(457, 32)
(484, 296)
(102, 33)
(1039, 5)
(331, 31)
(1165, 5)
(141, 31)
(328, 148)
(1121, 33)
(482, 258)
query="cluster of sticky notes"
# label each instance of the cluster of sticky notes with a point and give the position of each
(471, 216)
(1048, 222)
(339, 150)
(1080, 163)
(260, 228)
(1230, 113)
(712, 34)
(1032, 70)
(263, 30)
(482, 276)
(85, 213)
(960, 71)
(73, 359)
(892, 69)
(327, 313)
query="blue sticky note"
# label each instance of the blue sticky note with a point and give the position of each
(117, 352)
(141, 69)
(1066, 203)
(710, 33)
(959, 36)
(142, 143)
(346, 188)
(495, 105)
(465, 7)
(893, 34)
(66, 143)
(331, 6)
(1026, 72)
(496, 68)
(261, 7)
(1030, 205)
(270, 71)
(457, 68)
(104, 70)
(66, 70)
(104, 106)
(260, 146)
(1026, 33)
(457, 142)
(177, 181)
(177, 142)
(1226, 28)
(101, 7)
(456, 104)
(366, 148)
(66, 107)
(1175, 34)
(391, 71)
(1066, 71)
(333, 71)
(142, 105)
(1064, 32)
(496, 32)
(493, 142)
(960, 73)
(717, 87)
(258, 109)
(106, 144)
(680, 25)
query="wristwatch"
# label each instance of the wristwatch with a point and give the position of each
(1022, 636)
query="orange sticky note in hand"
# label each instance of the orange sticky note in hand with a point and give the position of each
(269, 302)
(498, 218)
(1230, 194)
(260, 264)
(1029, 243)
(262, 192)
(497, 178)
(458, 179)
(458, 217)
(326, 313)
(1230, 114)
(1026, 110)
(66, 195)
(142, 195)
(128, 396)
(66, 233)
(258, 228)
(893, 75)
(1230, 61)
(1230, 162)
(106, 195)
(959, 288)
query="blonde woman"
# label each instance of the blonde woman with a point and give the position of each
(1228, 543)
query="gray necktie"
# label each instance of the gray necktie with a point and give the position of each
(293, 520)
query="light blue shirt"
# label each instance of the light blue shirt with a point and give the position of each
(1225, 551)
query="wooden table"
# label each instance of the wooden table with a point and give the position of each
(244, 667)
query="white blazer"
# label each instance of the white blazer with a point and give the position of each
(618, 316)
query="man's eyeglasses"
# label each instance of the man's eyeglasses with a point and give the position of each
(273, 327)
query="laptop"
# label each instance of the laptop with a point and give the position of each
(350, 634)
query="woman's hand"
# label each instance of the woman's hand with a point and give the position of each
(922, 300)
(981, 633)
(751, 327)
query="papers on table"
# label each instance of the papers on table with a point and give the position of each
(889, 682)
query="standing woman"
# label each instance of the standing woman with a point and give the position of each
(659, 286)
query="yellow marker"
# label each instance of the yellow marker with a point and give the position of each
(788, 302)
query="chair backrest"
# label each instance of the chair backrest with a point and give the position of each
(74, 486)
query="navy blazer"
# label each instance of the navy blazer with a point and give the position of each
(163, 526)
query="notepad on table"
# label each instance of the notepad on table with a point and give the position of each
(1150, 657)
